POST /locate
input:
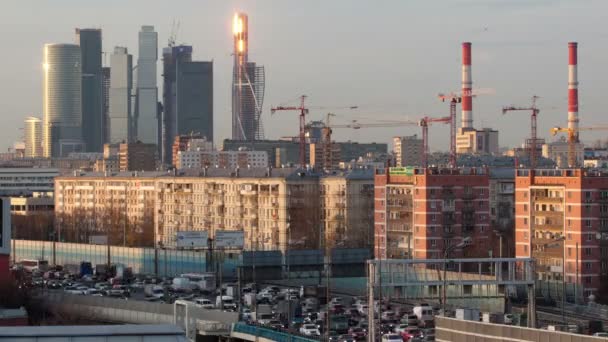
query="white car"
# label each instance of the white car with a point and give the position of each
(363, 309)
(246, 314)
(309, 330)
(203, 303)
(72, 290)
(601, 334)
(400, 328)
(93, 293)
(392, 338)
(508, 318)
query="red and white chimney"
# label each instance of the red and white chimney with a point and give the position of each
(573, 88)
(467, 86)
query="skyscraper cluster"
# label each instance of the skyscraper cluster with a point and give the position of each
(87, 104)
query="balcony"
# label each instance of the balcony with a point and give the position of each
(548, 199)
(549, 213)
(549, 226)
(248, 192)
(449, 218)
(467, 196)
(449, 233)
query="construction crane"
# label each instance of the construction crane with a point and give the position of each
(303, 111)
(455, 98)
(572, 139)
(424, 123)
(533, 140)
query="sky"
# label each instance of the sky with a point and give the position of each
(390, 58)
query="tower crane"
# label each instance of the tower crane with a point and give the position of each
(533, 140)
(572, 139)
(455, 98)
(424, 123)
(303, 111)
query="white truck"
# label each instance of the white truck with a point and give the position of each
(225, 302)
(423, 312)
(182, 285)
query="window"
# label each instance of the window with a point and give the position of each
(525, 207)
(588, 251)
(433, 205)
(432, 192)
(588, 209)
(588, 223)
(569, 222)
(526, 236)
(569, 236)
(433, 243)
(588, 266)
(569, 251)
(433, 218)
(589, 237)
(525, 195)
(525, 221)
(526, 249)
(587, 280)
(569, 208)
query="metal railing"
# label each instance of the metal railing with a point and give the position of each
(270, 334)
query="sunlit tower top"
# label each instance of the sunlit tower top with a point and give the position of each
(247, 85)
(241, 39)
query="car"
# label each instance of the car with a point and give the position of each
(392, 338)
(93, 292)
(357, 333)
(310, 330)
(53, 284)
(102, 286)
(400, 328)
(246, 315)
(509, 318)
(203, 303)
(601, 334)
(410, 320)
(411, 333)
(72, 290)
(363, 309)
(119, 291)
(345, 338)
(388, 316)
(275, 324)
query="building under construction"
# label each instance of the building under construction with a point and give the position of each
(248, 84)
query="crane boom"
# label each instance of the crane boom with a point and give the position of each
(572, 139)
(533, 117)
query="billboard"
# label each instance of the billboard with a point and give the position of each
(229, 239)
(399, 170)
(191, 238)
(5, 225)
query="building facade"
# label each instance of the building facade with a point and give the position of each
(146, 110)
(276, 209)
(121, 84)
(137, 156)
(562, 219)
(33, 137)
(26, 181)
(222, 159)
(92, 81)
(502, 210)
(558, 152)
(473, 141)
(62, 102)
(408, 150)
(420, 213)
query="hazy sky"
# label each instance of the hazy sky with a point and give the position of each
(390, 58)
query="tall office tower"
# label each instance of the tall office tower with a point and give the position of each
(121, 84)
(146, 110)
(247, 86)
(92, 78)
(62, 108)
(105, 98)
(33, 137)
(408, 150)
(187, 96)
(172, 56)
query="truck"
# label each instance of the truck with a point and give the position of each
(86, 268)
(249, 299)
(155, 291)
(424, 313)
(181, 284)
(317, 291)
(225, 302)
(467, 314)
(493, 317)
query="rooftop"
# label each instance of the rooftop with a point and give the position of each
(93, 330)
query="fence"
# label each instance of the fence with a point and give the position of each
(171, 262)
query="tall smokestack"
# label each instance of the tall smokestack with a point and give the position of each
(573, 88)
(467, 86)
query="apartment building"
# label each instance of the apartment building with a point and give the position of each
(502, 210)
(347, 204)
(222, 159)
(420, 213)
(562, 218)
(275, 208)
(408, 150)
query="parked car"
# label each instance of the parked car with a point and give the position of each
(357, 333)
(392, 338)
(309, 330)
(203, 303)
(93, 292)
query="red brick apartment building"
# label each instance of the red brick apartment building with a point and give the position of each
(562, 216)
(421, 212)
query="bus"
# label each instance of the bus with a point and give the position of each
(205, 282)
(31, 265)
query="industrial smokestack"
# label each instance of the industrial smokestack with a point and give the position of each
(467, 86)
(573, 88)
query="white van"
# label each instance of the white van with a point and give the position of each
(203, 303)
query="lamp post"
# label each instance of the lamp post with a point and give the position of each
(465, 242)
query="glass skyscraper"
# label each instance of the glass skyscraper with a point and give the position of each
(121, 85)
(146, 109)
(92, 79)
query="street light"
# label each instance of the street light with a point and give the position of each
(466, 241)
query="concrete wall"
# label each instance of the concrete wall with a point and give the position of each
(450, 329)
